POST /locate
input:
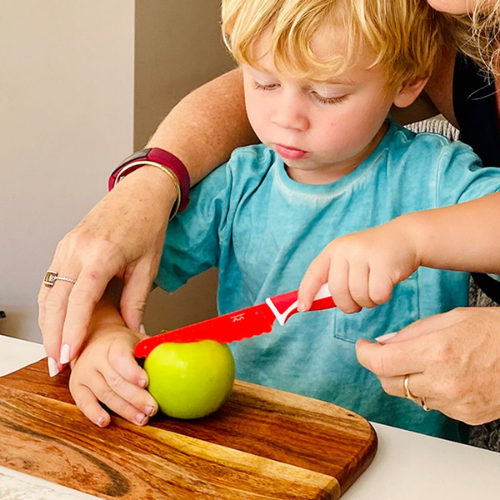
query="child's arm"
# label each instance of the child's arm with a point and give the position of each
(463, 237)
(363, 268)
(106, 371)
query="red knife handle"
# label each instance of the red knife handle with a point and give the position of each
(285, 305)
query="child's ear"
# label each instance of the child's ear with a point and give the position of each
(409, 92)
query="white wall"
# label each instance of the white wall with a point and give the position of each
(66, 119)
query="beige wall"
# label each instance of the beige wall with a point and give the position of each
(66, 118)
(178, 48)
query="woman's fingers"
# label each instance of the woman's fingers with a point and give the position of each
(452, 360)
(135, 293)
(66, 310)
(53, 302)
(422, 327)
(393, 360)
(87, 291)
(104, 245)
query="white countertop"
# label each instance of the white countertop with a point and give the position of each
(407, 466)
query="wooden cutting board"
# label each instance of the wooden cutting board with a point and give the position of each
(262, 444)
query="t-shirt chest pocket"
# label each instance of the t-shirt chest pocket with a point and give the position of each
(400, 311)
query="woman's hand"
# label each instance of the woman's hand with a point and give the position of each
(362, 268)
(121, 236)
(106, 371)
(453, 360)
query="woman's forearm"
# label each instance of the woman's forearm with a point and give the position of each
(207, 125)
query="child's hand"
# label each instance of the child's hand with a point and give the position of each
(362, 268)
(107, 371)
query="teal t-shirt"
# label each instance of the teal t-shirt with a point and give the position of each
(261, 230)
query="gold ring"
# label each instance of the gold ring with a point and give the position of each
(52, 276)
(408, 395)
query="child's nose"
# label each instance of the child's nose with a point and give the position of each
(287, 114)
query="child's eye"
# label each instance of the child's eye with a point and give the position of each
(329, 100)
(261, 86)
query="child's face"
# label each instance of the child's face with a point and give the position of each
(321, 131)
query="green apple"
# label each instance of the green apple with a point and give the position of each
(192, 379)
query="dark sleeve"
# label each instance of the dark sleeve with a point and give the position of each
(475, 107)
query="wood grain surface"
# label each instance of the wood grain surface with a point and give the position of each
(263, 444)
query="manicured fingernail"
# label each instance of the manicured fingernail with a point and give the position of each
(301, 307)
(142, 329)
(385, 337)
(53, 368)
(64, 355)
(140, 418)
(150, 410)
(100, 422)
(143, 383)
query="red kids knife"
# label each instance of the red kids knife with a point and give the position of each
(238, 325)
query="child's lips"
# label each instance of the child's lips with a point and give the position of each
(289, 152)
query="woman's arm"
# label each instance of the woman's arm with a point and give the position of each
(123, 234)
(207, 126)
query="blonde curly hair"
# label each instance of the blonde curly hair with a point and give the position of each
(404, 35)
(477, 35)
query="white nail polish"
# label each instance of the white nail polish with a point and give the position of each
(142, 329)
(64, 354)
(53, 369)
(387, 336)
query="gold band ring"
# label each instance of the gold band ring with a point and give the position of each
(52, 276)
(408, 395)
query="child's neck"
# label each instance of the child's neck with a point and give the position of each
(331, 173)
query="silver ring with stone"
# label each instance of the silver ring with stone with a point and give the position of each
(52, 276)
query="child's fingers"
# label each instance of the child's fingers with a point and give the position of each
(127, 397)
(338, 284)
(122, 360)
(380, 285)
(359, 275)
(86, 400)
(315, 276)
